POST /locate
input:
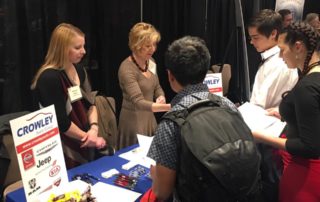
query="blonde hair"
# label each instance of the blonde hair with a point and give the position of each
(141, 33)
(57, 54)
(310, 17)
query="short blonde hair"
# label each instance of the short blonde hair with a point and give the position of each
(310, 17)
(57, 54)
(141, 33)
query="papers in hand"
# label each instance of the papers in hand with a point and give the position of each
(139, 155)
(258, 120)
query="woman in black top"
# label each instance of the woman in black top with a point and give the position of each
(76, 114)
(300, 108)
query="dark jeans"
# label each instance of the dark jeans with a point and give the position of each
(271, 171)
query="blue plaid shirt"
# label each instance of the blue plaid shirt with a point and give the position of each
(164, 146)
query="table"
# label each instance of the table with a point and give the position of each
(95, 168)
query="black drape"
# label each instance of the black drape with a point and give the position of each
(173, 19)
(26, 26)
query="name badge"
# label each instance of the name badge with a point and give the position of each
(74, 93)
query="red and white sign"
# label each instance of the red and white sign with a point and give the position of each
(39, 151)
(214, 83)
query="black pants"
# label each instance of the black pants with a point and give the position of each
(271, 170)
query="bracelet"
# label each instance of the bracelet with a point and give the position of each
(94, 123)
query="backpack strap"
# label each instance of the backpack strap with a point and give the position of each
(212, 100)
(179, 116)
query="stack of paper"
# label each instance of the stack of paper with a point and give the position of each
(258, 120)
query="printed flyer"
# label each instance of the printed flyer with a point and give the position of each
(39, 151)
(214, 83)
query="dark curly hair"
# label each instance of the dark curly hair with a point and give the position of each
(188, 59)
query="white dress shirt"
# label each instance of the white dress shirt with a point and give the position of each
(273, 78)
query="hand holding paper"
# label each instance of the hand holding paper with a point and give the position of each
(258, 120)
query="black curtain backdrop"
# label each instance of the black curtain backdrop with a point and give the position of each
(173, 19)
(26, 26)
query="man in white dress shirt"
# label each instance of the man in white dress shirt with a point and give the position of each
(273, 78)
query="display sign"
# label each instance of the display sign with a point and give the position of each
(39, 151)
(214, 83)
(295, 6)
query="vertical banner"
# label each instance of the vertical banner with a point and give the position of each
(39, 151)
(295, 6)
(214, 83)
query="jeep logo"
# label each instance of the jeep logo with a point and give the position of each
(45, 161)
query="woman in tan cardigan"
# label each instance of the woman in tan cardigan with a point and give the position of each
(142, 93)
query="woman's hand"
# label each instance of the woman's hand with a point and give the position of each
(91, 138)
(161, 99)
(100, 143)
(274, 112)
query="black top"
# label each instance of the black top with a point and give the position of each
(300, 108)
(49, 91)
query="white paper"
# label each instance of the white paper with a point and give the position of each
(110, 193)
(258, 120)
(144, 143)
(139, 155)
(275, 129)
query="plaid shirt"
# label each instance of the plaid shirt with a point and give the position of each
(164, 147)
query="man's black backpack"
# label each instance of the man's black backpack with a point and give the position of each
(218, 159)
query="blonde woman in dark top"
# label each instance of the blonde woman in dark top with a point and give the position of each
(142, 93)
(77, 116)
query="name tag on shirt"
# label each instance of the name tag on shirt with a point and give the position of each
(74, 93)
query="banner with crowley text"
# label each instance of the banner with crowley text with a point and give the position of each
(39, 151)
(214, 83)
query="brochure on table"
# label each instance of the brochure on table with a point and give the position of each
(214, 83)
(139, 155)
(258, 120)
(39, 151)
(106, 192)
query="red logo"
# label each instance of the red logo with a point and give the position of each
(57, 182)
(54, 171)
(28, 159)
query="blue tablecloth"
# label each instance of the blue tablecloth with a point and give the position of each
(95, 168)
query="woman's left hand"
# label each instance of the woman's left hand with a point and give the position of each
(161, 99)
(91, 139)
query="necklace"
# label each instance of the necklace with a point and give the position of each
(313, 65)
(140, 68)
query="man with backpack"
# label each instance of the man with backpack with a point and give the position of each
(203, 149)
